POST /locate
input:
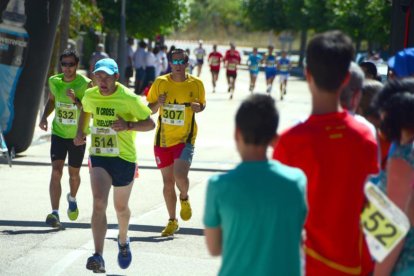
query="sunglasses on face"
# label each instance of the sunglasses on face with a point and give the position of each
(178, 61)
(67, 64)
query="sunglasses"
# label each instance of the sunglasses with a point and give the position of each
(178, 61)
(67, 64)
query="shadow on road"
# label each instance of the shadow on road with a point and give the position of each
(74, 225)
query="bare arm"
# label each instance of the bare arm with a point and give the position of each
(156, 105)
(82, 127)
(399, 180)
(144, 125)
(213, 240)
(50, 106)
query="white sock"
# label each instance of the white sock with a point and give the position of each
(73, 199)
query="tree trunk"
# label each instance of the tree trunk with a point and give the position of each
(303, 38)
(64, 27)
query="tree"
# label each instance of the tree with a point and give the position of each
(145, 18)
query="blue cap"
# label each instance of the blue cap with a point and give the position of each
(402, 64)
(107, 65)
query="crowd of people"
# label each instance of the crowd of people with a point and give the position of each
(303, 214)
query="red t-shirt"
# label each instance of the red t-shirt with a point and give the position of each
(232, 59)
(337, 153)
(215, 60)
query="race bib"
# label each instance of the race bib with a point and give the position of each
(173, 114)
(104, 141)
(215, 61)
(66, 113)
(232, 66)
(284, 67)
(270, 63)
(384, 224)
(254, 67)
(200, 56)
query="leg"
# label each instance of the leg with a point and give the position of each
(55, 188)
(181, 169)
(101, 183)
(74, 180)
(123, 213)
(170, 196)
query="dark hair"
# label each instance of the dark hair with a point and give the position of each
(69, 53)
(142, 44)
(328, 56)
(370, 70)
(396, 102)
(178, 51)
(257, 119)
(370, 88)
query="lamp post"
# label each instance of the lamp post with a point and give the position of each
(122, 45)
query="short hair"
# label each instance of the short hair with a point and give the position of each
(328, 56)
(257, 119)
(370, 69)
(396, 102)
(355, 84)
(370, 88)
(178, 51)
(70, 53)
(142, 44)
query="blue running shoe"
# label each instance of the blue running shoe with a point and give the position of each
(73, 211)
(53, 220)
(96, 263)
(124, 255)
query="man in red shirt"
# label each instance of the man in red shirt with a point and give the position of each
(231, 60)
(337, 153)
(214, 59)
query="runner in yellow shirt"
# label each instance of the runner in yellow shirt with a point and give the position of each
(66, 92)
(177, 97)
(117, 113)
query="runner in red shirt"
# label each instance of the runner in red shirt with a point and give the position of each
(214, 59)
(231, 60)
(337, 153)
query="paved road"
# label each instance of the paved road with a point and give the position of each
(28, 247)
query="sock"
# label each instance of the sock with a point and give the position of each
(73, 199)
(56, 212)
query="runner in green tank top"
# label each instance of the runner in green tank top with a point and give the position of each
(66, 92)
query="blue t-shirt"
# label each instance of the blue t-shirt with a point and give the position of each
(270, 62)
(260, 208)
(283, 65)
(253, 62)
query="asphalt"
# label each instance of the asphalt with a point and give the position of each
(29, 247)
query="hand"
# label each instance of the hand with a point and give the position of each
(162, 98)
(120, 124)
(43, 124)
(196, 106)
(79, 140)
(71, 94)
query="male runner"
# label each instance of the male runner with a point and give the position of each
(66, 92)
(117, 113)
(253, 62)
(177, 97)
(283, 66)
(231, 60)
(270, 68)
(199, 52)
(214, 59)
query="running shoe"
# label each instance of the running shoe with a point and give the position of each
(171, 228)
(185, 212)
(96, 263)
(73, 210)
(53, 220)
(124, 254)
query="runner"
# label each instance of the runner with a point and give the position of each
(270, 68)
(337, 153)
(231, 60)
(256, 222)
(177, 97)
(283, 66)
(214, 59)
(199, 53)
(117, 113)
(253, 62)
(66, 92)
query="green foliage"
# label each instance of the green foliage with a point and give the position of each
(145, 18)
(266, 15)
(84, 16)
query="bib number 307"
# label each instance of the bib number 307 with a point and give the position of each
(384, 224)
